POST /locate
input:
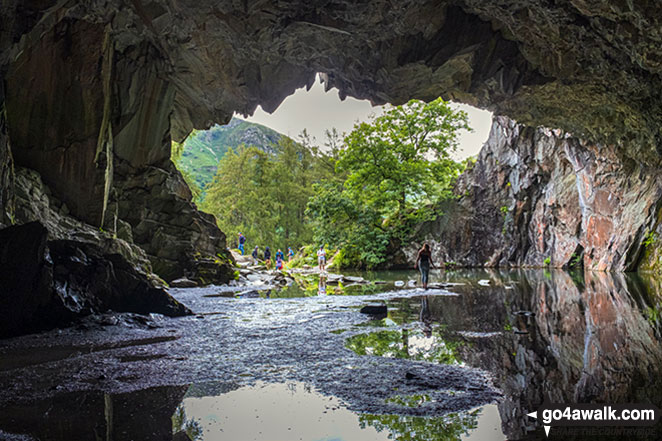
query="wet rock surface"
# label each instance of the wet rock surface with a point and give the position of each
(460, 349)
(240, 340)
(538, 197)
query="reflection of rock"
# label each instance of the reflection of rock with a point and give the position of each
(142, 415)
(583, 338)
(587, 342)
(47, 283)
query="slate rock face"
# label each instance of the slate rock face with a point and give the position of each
(538, 197)
(44, 283)
(6, 169)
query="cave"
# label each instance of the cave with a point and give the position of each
(93, 93)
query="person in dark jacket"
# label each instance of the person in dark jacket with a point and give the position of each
(267, 257)
(423, 263)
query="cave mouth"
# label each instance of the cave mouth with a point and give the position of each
(310, 115)
(97, 218)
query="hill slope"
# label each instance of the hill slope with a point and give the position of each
(203, 149)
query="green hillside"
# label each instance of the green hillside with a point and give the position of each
(203, 149)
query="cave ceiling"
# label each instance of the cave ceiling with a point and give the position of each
(590, 67)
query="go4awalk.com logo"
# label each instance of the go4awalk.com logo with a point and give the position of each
(582, 415)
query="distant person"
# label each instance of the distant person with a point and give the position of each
(267, 257)
(423, 263)
(290, 254)
(242, 240)
(279, 259)
(321, 258)
(255, 254)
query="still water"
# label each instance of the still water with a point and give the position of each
(465, 362)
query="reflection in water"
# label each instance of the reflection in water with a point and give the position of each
(309, 285)
(90, 415)
(543, 335)
(413, 344)
(182, 425)
(321, 289)
(296, 411)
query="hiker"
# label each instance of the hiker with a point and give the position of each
(423, 263)
(321, 258)
(242, 240)
(267, 257)
(290, 254)
(279, 259)
(255, 254)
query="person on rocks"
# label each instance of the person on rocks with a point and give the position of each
(290, 254)
(423, 263)
(242, 240)
(321, 258)
(267, 257)
(255, 254)
(279, 259)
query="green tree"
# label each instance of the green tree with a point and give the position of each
(265, 195)
(390, 176)
(402, 158)
(237, 198)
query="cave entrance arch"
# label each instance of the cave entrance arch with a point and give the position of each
(94, 93)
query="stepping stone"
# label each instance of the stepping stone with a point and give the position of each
(374, 309)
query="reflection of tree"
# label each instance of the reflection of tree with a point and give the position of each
(191, 427)
(397, 344)
(410, 428)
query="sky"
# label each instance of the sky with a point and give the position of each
(316, 111)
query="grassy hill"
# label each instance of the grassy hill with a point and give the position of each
(203, 149)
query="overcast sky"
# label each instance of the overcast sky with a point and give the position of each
(317, 111)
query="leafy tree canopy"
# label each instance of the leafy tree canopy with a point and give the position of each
(390, 175)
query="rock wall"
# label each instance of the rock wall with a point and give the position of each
(55, 268)
(179, 240)
(97, 130)
(6, 169)
(538, 197)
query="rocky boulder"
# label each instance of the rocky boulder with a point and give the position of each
(45, 283)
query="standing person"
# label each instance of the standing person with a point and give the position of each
(423, 263)
(279, 259)
(290, 254)
(254, 254)
(321, 258)
(242, 240)
(267, 257)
